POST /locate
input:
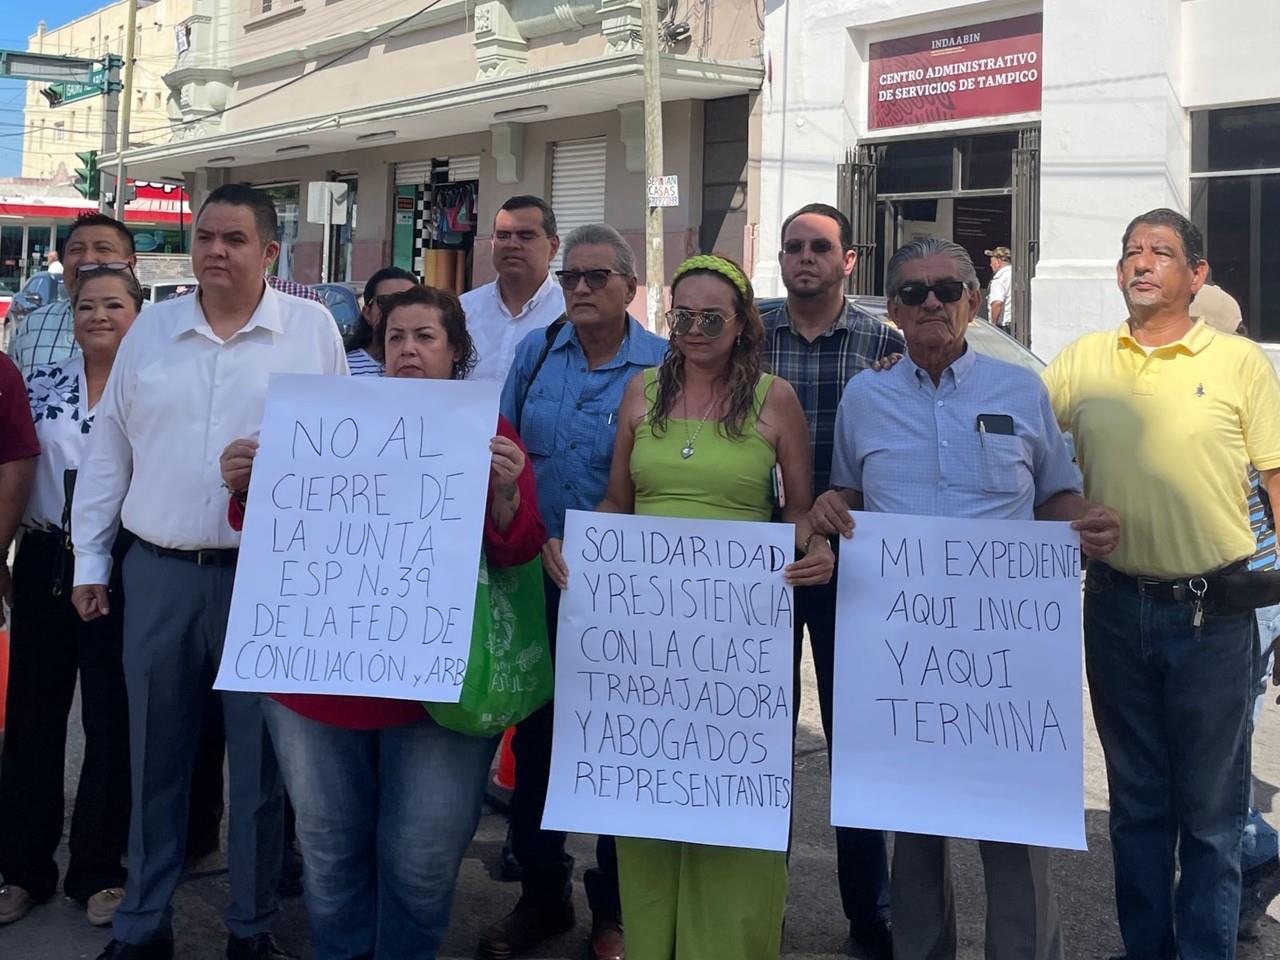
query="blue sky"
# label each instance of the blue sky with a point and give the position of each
(18, 24)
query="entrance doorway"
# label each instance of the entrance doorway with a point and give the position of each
(980, 191)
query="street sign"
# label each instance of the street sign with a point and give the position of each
(326, 202)
(664, 191)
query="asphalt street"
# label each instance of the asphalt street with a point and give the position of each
(815, 925)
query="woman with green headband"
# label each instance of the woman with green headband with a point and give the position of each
(701, 437)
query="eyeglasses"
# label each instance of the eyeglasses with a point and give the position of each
(116, 266)
(820, 246)
(680, 322)
(596, 279)
(914, 294)
(524, 236)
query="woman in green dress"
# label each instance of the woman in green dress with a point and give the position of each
(700, 437)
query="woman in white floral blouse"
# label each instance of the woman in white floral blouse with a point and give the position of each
(50, 645)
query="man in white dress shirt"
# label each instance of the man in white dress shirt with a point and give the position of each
(525, 296)
(184, 385)
(1000, 293)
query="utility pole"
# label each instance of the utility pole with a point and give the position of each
(122, 135)
(110, 116)
(654, 268)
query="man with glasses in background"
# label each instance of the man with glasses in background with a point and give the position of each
(562, 394)
(817, 340)
(525, 296)
(46, 335)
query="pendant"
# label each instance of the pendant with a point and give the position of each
(686, 451)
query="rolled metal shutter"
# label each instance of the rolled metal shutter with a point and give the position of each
(464, 168)
(415, 172)
(577, 183)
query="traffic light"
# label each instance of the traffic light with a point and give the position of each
(88, 177)
(53, 94)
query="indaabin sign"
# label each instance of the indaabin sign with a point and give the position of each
(984, 70)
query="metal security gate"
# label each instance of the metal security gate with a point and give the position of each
(856, 196)
(577, 184)
(1026, 227)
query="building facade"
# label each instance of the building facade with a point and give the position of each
(1044, 127)
(54, 135)
(432, 118)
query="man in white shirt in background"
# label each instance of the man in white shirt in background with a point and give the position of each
(55, 265)
(525, 296)
(184, 385)
(1000, 293)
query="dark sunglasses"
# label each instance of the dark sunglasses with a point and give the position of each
(914, 294)
(793, 248)
(116, 266)
(596, 279)
(680, 322)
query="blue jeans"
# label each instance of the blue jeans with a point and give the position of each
(1261, 842)
(1172, 706)
(384, 819)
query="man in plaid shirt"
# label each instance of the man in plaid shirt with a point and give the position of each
(817, 341)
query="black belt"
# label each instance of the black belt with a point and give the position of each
(224, 557)
(1180, 590)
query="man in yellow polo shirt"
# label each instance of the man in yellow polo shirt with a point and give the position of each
(1167, 415)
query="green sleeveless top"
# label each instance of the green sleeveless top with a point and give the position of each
(723, 479)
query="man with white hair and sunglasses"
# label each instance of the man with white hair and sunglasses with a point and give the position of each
(951, 433)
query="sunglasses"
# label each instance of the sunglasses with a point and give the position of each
(794, 248)
(914, 294)
(680, 322)
(116, 266)
(596, 279)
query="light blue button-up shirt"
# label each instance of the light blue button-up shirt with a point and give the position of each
(570, 414)
(914, 448)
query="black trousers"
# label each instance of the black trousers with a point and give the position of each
(862, 862)
(49, 647)
(546, 865)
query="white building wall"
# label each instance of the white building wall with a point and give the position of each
(1118, 82)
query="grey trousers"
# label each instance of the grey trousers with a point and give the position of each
(174, 625)
(1022, 911)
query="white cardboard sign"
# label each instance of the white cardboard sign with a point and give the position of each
(673, 704)
(958, 680)
(361, 545)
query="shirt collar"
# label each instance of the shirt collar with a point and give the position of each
(635, 331)
(846, 320)
(958, 370)
(267, 315)
(538, 296)
(1192, 342)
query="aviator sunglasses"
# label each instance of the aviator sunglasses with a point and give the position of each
(680, 322)
(914, 294)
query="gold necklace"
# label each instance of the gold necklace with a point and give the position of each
(687, 450)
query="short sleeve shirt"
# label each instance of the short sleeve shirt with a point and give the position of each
(1166, 440)
(914, 448)
(63, 421)
(17, 432)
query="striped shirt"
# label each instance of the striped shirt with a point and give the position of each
(819, 369)
(362, 364)
(1264, 527)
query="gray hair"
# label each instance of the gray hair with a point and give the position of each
(602, 235)
(930, 247)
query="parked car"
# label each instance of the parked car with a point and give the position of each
(7, 289)
(342, 303)
(43, 287)
(164, 289)
(983, 336)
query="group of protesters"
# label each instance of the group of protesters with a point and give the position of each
(124, 473)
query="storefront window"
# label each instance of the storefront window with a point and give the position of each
(917, 166)
(1240, 214)
(986, 163)
(10, 259)
(287, 200)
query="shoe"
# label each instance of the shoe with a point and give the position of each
(102, 906)
(606, 939)
(261, 946)
(524, 928)
(14, 903)
(154, 950)
(872, 941)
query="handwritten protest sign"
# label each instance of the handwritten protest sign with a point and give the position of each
(673, 681)
(361, 544)
(957, 680)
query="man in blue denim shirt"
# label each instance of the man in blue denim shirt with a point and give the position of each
(564, 401)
